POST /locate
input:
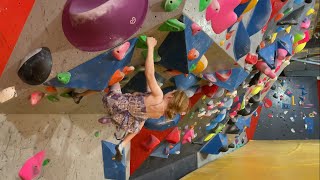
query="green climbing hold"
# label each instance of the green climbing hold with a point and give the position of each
(204, 4)
(65, 95)
(45, 162)
(97, 134)
(156, 57)
(287, 11)
(298, 37)
(64, 78)
(171, 5)
(193, 67)
(173, 25)
(53, 98)
(142, 42)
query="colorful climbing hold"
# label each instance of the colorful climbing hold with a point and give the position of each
(229, 34)
(287, 11)
(310, 11)
(288, 29)
(116, 77)
(120, 52)
(64, 77)
(32, 167)
(223, 75)
(173, 25)
(224, 18)
(45, 162)
(298, 37)
(201, 65)
(193, 54)
(221, 43)
(203, 4)
(53, 98)
(171, 5)
(142, 42)
(300, 47)
(51, 89)
(250, 6)
(278, 17)
(274, 36)
(36, 97)
(195, 28)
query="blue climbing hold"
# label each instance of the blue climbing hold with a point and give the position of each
(162, 123)
(175, 149)
(214, 145)
(183, 83)
(268, 54)
(286, 42)
(162, 151)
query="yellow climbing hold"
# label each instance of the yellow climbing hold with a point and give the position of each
(243, 104)
(256, 90)
(300, 47)
(221, 43)
(274, 36)
(201, 65)
(310, 11)
(250, 6)
(288, 29)
(209, 136)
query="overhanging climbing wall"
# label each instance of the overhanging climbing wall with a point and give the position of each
(224, 55)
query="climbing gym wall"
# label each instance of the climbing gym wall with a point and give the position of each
(226, 56)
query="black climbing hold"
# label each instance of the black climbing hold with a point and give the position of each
(36, 67)
(275, 95)
(224, 149)
(273, 87)
(231, 145)
(255, 98)
(292, 18)
(255, 79)
(232, 129)
(308, 1)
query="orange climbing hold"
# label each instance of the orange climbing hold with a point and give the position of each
(51, 89)
(278, 17)
(128, 69)
(120, 52)
(116, 77)
(262, 44)
(193, 54)
(229, 34)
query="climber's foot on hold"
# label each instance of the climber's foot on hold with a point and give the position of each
(76, 97)
(118, 156)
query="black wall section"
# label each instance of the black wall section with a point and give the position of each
(289, 125)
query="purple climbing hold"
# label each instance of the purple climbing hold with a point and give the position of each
(102, 24)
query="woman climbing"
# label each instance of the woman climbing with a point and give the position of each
(129, 111)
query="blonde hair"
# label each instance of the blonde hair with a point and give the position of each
(178, 104)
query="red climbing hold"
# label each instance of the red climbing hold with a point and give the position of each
(267, 103)
(224, 76)
(195, 28)
(150, 143)
(51, 89)
(251, 58)
(174, 136)
(210, 91)
(193, 54)
(32, 167)
(121, 51)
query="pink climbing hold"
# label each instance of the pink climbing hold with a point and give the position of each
(265, 69)
(215, 5)
(305, 24)
(150, 143)
(193, 54)
(195, 28)
(228, 46)
(36, 97)
(270, 115)
(174, 136)
(120, 52)
(210, 77)
(32, 167)
(224, 76)
(188, 136)
(225, 17)
(281, 54)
